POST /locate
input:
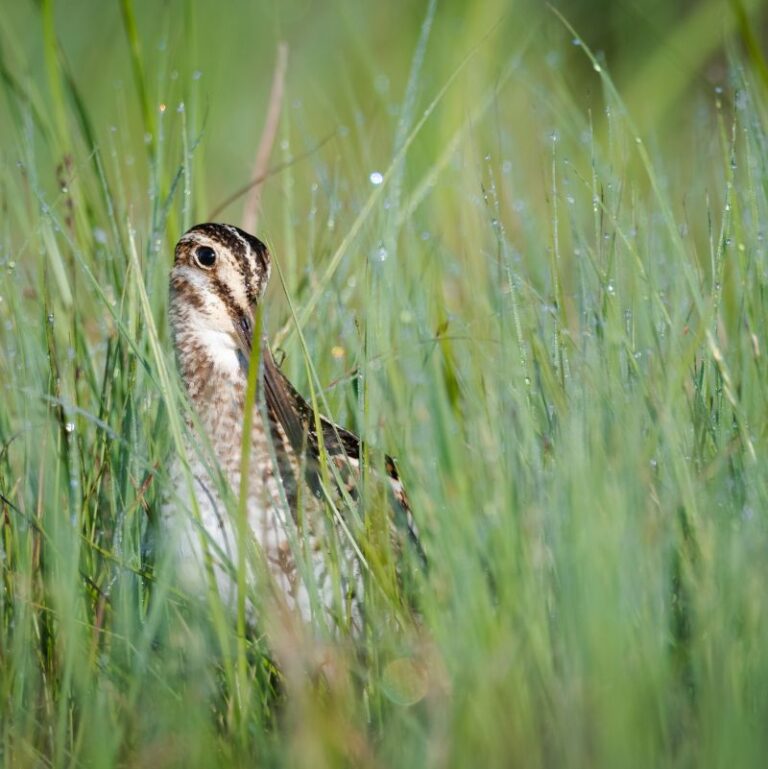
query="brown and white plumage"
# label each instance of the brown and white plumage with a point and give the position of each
(218, 278)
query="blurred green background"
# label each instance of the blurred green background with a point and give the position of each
(525, 245)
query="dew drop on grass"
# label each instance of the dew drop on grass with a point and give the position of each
(70, 427)
(197, 74)
(376, 178)
(405, 681)
(50, 318)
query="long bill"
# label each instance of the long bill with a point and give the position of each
(281, 399)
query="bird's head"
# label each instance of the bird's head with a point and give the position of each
(219, 275)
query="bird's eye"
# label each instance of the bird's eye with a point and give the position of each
(205, 257)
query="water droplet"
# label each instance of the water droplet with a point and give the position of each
(197, 74)
(611, 289)
(70, 427)
(163, 107)
(181, 107)
(376, 178)
(597, 67)
(381, 254)
(50, 318)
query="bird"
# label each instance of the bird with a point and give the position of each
(304, 541)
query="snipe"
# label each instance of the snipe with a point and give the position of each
(303, 470)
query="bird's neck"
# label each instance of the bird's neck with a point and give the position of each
(211, 369)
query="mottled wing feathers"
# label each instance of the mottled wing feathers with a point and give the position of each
(342, 447)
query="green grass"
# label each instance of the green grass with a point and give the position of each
(552, 310)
